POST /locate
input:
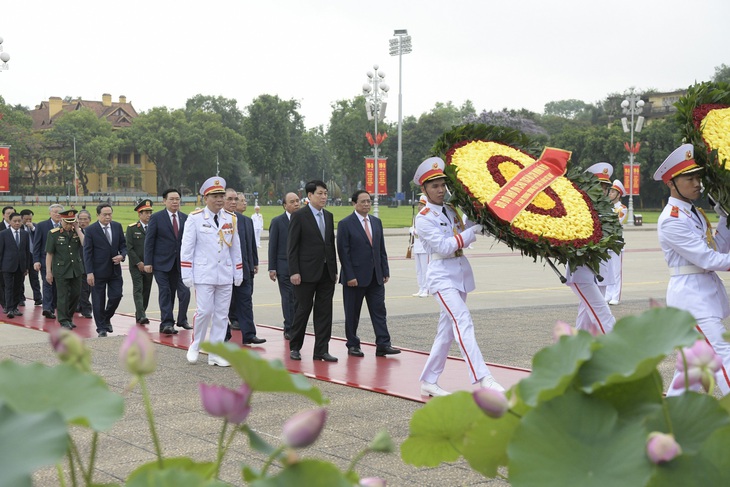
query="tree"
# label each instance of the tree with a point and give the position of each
(722, 74)
(163, 135)
(95, 142)
(28, 154)
(227, 108)
(274, 132)
(565, 108)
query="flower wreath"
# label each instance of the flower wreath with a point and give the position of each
(570, 221)
(704, 117)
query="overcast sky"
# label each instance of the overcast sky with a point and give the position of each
(511, 53)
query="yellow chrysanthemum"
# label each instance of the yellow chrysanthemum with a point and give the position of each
(716, 132)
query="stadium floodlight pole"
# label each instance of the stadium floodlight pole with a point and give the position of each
(632, 105)
(375, 91)
(399, 46)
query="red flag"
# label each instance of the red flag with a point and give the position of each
(369, 136)
(4, 168)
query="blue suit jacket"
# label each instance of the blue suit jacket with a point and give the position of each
(98, 253)
(161, 249)
(12, 257)
(358, 258)
(39, 241)
(278, 232)
(249, 253)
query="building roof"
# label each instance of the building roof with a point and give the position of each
(119, 114)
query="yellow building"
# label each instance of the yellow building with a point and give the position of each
(120, 115)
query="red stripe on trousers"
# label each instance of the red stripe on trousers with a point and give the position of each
(590, 308)
(456, 324)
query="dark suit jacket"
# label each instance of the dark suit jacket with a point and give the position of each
(249, 252)
(12, 257)
(357, 257)
(161, 249)
(278, 232)
(306, 250)
(98, 253)
(3, 225)
(39, 241)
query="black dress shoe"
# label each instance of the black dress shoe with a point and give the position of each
(22, 303)
(102, 333)
(383, 351)
(11, 315)
(326, 357)
(355, 352)
(38, 302)
(185, 325)
(17, 312)
(72, 325)
(287, 336)
(254, 340)
(109, 328)
(144, 321)
(87, 316)
(235, 325)
(49, 314)
(295, 355)
(168, 330)
(68, 326)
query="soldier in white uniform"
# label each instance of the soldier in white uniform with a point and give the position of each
(258, 224)
(594, 315)
(449, 278)
(693, 255)
(420, 255)
(210, 259)
(614, 266)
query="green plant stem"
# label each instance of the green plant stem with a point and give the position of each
(356, 459)
(518, 416)
(71, 466)
(221, 451)
(74, 457)
(92, 458)
(665, 406)
(151, 420)
(686, 372)
(61, 476)
(269, 460)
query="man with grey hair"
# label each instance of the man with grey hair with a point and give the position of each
(84, 307)
(39, 257)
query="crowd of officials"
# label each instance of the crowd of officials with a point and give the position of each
(214, 249)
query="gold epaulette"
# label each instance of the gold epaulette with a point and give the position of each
(133, 224)
(424, 211)
(57, 229)
(199, 210)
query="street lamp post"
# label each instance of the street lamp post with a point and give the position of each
(399, 46)
(633, 106)
(4, 57)
(375, 91)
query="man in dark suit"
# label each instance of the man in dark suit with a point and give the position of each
(84, 306)
(141, 280)
(14, 256)
(240, 311)
(162, 259)
(278, 261)
(35, 283)
(364, 262)
(105, 248)
(4, 225)
(313, 267)
(39, 257)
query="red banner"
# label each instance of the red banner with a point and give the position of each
(4, 168)
(382, 175)
(519, 191)
(636, 179)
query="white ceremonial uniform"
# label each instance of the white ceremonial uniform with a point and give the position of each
(211, 256)
(449, 278)
(594, 315)
(421, 257)
(693, 285)
(614, 267)
(258, 227)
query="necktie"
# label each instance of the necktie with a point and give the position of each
(367, 231)
(108, 234)
(215, 219)
(320, 223)
(175, 228)
(144, 228)
(17, 238)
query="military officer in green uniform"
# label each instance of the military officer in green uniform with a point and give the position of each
(65, 266)
(141, 280)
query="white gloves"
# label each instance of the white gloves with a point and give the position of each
(720, 210)
(188, 282)
(477, 228)
(237, 282)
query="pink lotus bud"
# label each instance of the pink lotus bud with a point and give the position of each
(661, 447)
(138, 352)
(694, 376)
(562, 329)
(653, 303)
(70, 349)
(702, 355)
(493, 403)
(304, 428)
(372, 482)
(230, 404)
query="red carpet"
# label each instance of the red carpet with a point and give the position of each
(395, 375)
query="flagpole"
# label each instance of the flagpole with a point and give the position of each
(76, 176)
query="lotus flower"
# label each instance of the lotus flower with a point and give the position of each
(493, 403)
(138, 352)
(563, 329)
(372, 482)
(221, 402)
(702, 363)
(70, 349)
(662, 447)
(304, 428)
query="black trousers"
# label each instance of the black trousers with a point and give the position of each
(318, 295)
(13, 288)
